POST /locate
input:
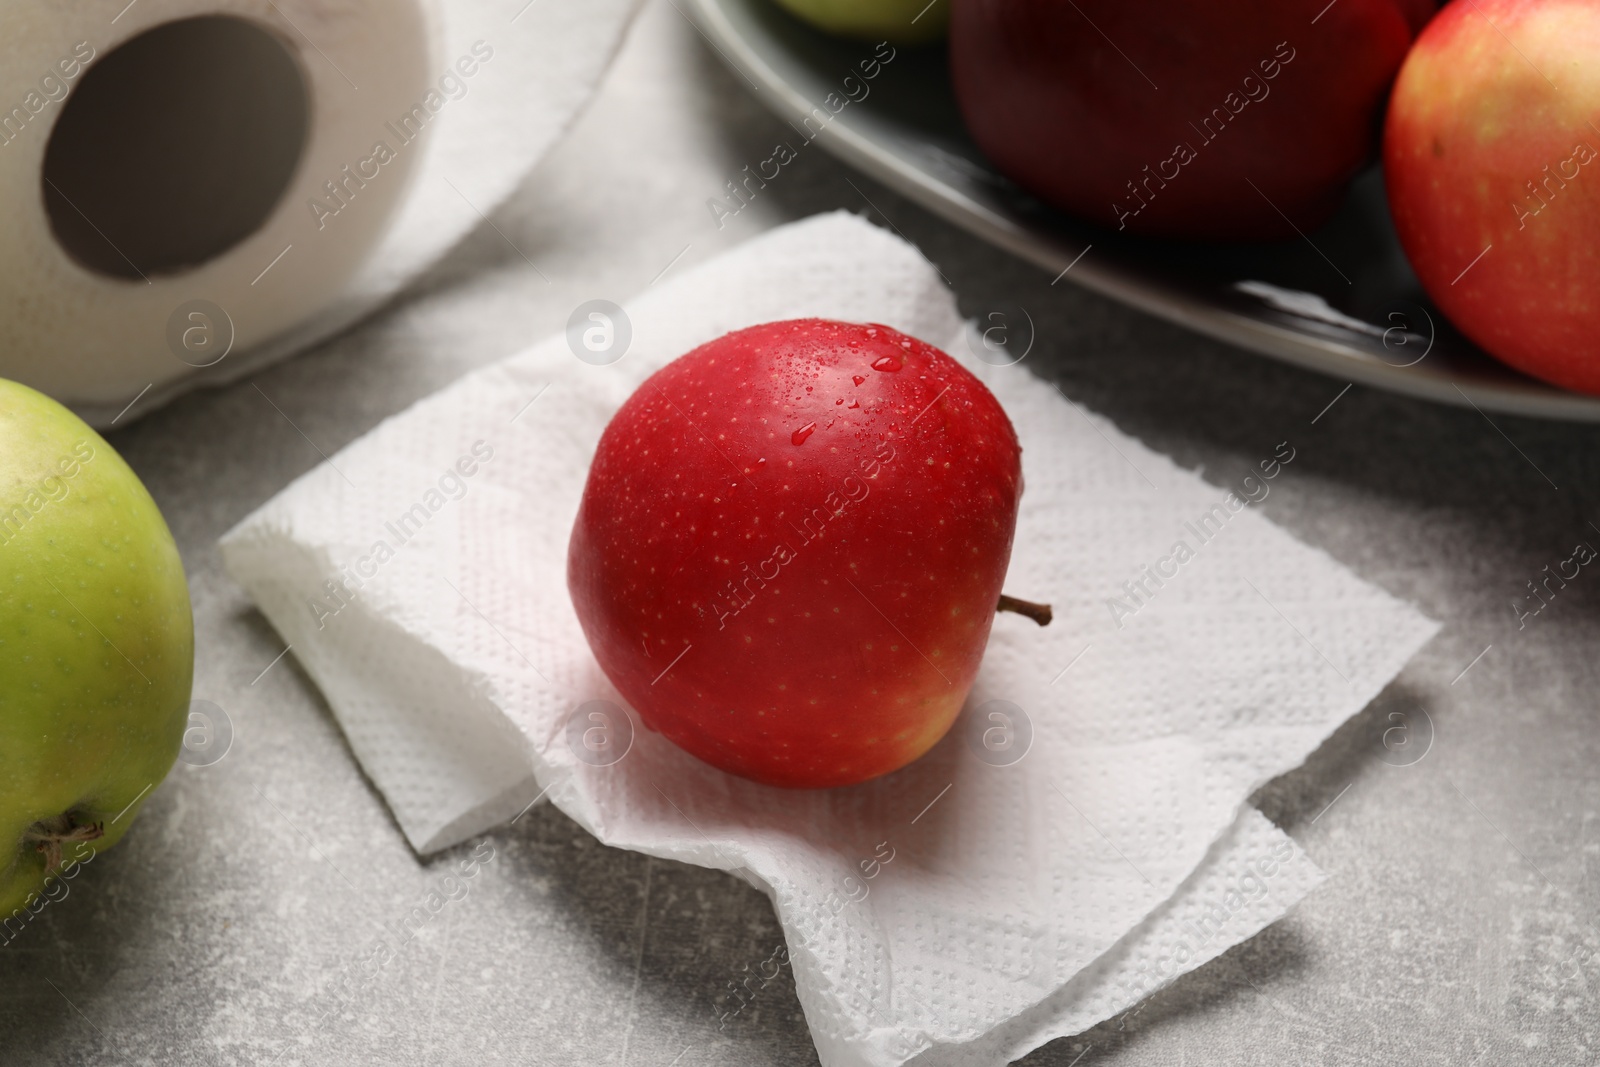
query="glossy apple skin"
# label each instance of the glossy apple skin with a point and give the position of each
(856, 491)
(1065, 114)
(96, 638)
(1471, 125)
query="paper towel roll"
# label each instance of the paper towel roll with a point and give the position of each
(502, 86)
(188, 177)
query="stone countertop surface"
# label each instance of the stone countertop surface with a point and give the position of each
(235, 924)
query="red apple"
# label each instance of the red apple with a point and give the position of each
(790, 548)
(1417, 12)
(1491, 163)
(1238, 121)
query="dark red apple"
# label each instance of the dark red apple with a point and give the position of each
(1493, 174)
(1417, 12)
(790, 548)
(1240, 121)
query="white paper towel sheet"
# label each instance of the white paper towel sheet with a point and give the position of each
(421, 578)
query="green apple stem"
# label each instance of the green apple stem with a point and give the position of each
(50, 834)
(1039, 613)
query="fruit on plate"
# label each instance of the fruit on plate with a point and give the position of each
(907, 22)
(1417, 12)
(1236, 121)
(96, 644)
(790, 548)
(1493, 174)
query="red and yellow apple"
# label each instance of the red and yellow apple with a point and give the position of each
(1490, 156)
(1236, 121)
(790, 548)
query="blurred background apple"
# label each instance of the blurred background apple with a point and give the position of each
(1490, 155)
(1239, 121)
(906, 22)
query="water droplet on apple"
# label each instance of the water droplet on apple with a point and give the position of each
(800, 435)
(858, 379)
(762, 462)
(888, 364)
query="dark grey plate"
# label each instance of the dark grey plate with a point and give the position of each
(1343, 302)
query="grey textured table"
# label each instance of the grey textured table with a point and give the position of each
(1459, 924)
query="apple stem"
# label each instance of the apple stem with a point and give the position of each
(51, 834)
(1039, 613)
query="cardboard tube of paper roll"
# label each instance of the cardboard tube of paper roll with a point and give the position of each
(186, 178)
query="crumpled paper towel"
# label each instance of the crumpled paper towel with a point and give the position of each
(971, 906)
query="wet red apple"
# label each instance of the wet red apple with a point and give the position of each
(1239, 121)
(790, 548)
(1493, 174)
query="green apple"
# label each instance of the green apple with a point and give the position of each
(907, 22)
(96, 645)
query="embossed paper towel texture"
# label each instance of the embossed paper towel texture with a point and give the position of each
(1028, 900)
